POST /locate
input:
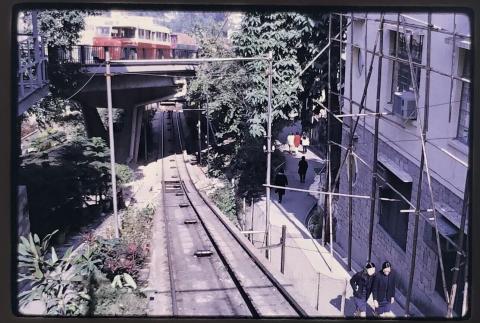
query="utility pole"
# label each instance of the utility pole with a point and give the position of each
(112, 142)
(269, 155)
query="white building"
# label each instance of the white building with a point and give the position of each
(400, 145)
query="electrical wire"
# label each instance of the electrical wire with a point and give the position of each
(84, 85)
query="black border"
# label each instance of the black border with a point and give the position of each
(8, 146)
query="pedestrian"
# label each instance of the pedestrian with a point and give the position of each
(280, 180)
(296, 141)
(290, 142)
(305, 143)
(383, 290)
(302, 169)
(361, 284)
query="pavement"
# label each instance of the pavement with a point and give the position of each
(321, 277)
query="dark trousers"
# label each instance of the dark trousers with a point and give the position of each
(304, 149)
(302, 177)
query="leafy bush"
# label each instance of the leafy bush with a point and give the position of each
(224, 198)
(59, 282)
(108, 300)
(48, 139)
(119, 256)
(124, 174)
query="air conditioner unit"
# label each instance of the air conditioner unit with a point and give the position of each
(404, 105)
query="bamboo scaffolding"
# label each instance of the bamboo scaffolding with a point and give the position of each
(423, 129)
(422, 132)
(399, 125)
(405, 61)
(420, 175)
(427, 26)
(456, 269)
(400, 195)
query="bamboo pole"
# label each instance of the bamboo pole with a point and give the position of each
(420, 176)
(451, 68)
(350, 184)
(330, 213)
(424, 152)
(375, 145)
(456, 269)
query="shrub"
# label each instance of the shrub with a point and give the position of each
(119, 256)
(107, 300)
(124, 174)
(224, 198)
(59, 282)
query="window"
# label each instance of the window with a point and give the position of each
(141, 33)
(102, 31)
(401, 76)
(147, 34)
(123, 32)
(464, 114)
(391, 219)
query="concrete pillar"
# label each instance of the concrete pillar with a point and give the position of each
(133, 132)
(138, 132)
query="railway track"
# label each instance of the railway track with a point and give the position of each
(211, 272)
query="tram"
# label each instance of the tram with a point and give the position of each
(133, 41)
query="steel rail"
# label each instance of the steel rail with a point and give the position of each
(167, 231)
(286, 295)
(225, 262)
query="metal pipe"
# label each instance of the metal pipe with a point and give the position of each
(252, 206)
(112, 144)
(182, 61)
(328, 193)
(269, 154)
(375, 144)
(282, 255)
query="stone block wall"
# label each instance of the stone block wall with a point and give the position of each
(384, 247)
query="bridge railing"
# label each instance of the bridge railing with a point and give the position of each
(93, 55)
(32, 66)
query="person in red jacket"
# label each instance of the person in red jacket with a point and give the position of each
(296, 141)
